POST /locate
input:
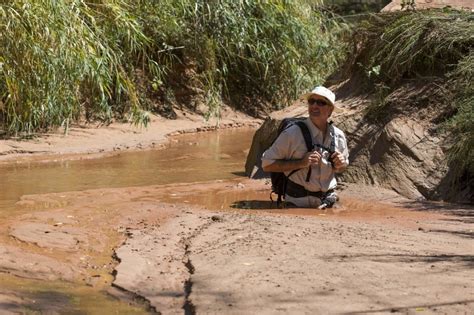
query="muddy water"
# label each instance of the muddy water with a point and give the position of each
(59, 298)
(187, 158)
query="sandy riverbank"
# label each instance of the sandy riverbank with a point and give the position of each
(186, 246)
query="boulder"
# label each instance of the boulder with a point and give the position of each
(265, 136)
(400, 155)
(262, 139)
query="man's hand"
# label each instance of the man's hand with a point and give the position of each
(338, 161)
(312, 158)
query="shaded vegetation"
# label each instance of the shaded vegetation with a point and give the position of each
(355, 7)
(106, 59)
(461, 124)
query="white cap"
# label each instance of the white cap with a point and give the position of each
(321, 91)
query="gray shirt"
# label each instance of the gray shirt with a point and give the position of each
(290, 145)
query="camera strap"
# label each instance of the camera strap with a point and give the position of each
(330, 150)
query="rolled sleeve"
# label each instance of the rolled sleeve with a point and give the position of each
(265, 160)
(279, 150)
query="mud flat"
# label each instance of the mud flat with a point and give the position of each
(220, 247)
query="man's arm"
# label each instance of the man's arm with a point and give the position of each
(310, 158)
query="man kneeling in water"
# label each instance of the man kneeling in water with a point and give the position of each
(312, 180)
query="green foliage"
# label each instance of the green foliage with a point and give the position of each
(66, 59)
(59, 58)
(270, 50)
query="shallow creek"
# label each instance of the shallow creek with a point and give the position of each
(184, 159)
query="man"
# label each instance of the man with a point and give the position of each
(289, 153)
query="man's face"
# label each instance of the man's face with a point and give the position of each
(319, 108)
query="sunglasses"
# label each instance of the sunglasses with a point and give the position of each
(321, 103)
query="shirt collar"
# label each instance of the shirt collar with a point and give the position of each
(314, 130)
(317, 133)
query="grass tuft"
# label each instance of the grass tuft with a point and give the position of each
(416, 43)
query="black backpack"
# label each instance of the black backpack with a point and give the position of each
(279, 179)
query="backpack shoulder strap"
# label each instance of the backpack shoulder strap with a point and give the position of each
(332, 134)
(308, 140)
(306, 134)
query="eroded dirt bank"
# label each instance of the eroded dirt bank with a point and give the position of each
(219, 247)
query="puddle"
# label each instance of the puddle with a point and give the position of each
(54, 297)
(256, 199)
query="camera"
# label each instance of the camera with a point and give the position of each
(322, 149)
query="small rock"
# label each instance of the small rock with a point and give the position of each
(216, 218)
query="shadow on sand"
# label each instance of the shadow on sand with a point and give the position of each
(255, 205)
